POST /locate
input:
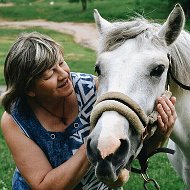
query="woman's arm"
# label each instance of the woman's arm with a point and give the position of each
(33, 164)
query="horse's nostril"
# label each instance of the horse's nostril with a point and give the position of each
(88, 143)
(92, 152)
(89, 150)
(124, 147)
(120, 155)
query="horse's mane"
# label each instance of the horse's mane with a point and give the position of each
(140, 29)
(180, 53)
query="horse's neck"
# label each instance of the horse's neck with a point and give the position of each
(180, 52)
(181, 130)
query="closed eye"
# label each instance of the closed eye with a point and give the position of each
(97, 70)
(157, 71)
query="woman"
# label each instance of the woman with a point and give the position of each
(46, 118)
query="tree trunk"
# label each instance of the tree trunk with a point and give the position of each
(84, 5)
(138, 2)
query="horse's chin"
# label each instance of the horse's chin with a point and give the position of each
(107, 173)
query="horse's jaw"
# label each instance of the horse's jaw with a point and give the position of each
(108, 169)
(107, 173)
(109, 147)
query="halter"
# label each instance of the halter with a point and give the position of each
(123, 104)
(142, 123)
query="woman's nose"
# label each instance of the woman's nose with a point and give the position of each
(61, 73)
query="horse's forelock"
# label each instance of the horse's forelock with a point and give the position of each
(122, 31)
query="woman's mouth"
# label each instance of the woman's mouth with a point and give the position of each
(64, 84)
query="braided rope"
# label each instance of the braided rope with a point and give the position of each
(123, 104)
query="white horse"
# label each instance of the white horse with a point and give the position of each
(136, 61)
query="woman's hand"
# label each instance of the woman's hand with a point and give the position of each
(167, 115)
(165, 123)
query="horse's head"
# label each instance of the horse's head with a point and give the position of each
(133, 59)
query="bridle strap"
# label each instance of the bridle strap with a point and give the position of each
(185, 87)
(143, 158)
(143, 124)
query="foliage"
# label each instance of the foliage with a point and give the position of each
(84, 3)
(74, 1)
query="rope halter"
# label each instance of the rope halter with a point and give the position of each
(123, 104)
(142, 123)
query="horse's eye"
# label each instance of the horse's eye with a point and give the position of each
(157, 71)
(97, 69)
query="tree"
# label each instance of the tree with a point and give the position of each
(84, 3)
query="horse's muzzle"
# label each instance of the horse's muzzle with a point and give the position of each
(108, 168)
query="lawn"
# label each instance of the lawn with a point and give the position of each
(82, 60)
(62, 10)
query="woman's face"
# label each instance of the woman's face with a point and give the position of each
(54, 82)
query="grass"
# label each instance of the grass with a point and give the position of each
(6, 163)
(160, 170)
(62, 10)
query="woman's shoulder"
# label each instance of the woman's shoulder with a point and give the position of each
(6, 120)
(8, 125)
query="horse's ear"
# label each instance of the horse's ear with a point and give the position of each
(101, 23)
(173, 25)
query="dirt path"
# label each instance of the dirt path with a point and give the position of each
(83, 33)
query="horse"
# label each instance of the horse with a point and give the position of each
(136, 61)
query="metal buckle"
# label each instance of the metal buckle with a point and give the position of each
(147, 180)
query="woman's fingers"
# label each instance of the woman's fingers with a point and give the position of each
(167, 114)
(167, 105)
(163, 114)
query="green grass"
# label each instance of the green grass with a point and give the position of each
(160, 170)
(64, 11)
(6, 164)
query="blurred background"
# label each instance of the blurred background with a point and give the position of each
(81, 10)
(79, 56)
